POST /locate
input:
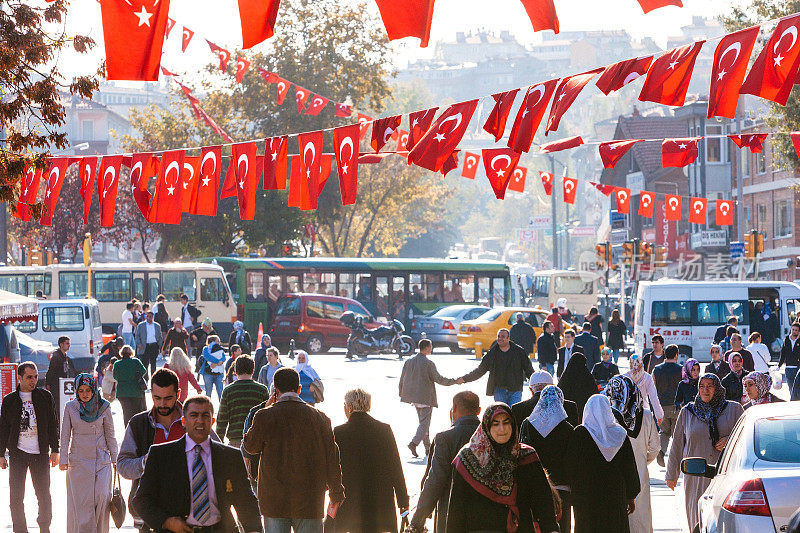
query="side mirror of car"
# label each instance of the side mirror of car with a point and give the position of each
(697, 466)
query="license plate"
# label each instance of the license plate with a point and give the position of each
(429, 326)
(283, 323)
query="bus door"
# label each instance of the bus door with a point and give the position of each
(383, 304)
(153, 283)
(790, 308)
(139, 286)
(397, 298)
(764, 311)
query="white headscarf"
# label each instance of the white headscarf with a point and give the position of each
(549, 410)
(305, 367)
(541, 377)
(602, 426)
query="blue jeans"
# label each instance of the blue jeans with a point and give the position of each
(550, 367)
(210, 379)
(791, 379)
(615, 355)
(129, 339)
(286, 525)
(507, 397)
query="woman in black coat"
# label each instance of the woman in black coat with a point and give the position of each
(498, 483)
(576, 382)
(602, 471)
(615, 338)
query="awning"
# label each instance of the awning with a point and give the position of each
(16, 308)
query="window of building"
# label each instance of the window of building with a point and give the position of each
(748, 221)
(87, 130)
(761, 160)
(714, 145)
(745, 171)
(783, 218)
(761, 211)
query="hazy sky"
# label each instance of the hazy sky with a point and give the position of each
(218, 21)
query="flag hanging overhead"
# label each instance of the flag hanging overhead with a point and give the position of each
(618, 75)
(496, 123)
(133, 34)
(542, 14)
(669, 76)
(433, 149)
(530, 115)
(470, 167)
(568, 90)
(731, 58)
(679, 152)
(345, 145)
(410, 18)
(649, 5)
(774, 71)
(258, 20)
(697, 210)
(612, 152)
(499, 164)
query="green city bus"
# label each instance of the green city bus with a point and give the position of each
(388, 288)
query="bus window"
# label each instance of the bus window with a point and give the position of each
(255, 286)
(327, 284)
(540, 287)
(212, 290)
(177, 283)
(112, 286)
(274, 290)
(416, 288)
(483, 291)
(433, 287)
(38, 282)
(26, 327)
(671, 314)
(62, 319)
(346, 285)
(572, 285)
(153, 288)
(792, 309)
(458, 288)
(716, 313)
(73, 284)
(382, 295)
(13, 283)
(138, 288)
(639, 313)
(292, 284)
(498, 292)
(312, 281)
(364, 288)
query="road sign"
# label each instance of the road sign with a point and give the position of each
(737, 249)
(583, 231)
(540, 222)
(8, 379)
(619, 236)
(617, 220)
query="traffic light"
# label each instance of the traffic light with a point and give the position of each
(759, 243)
(627, 253)
(748, 245)
(660, 255)
(646, 250)
(603, 252)
(753, 244)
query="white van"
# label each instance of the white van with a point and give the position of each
(77, 319)
(688, 313)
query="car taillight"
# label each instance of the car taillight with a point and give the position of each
(447, 325)
(748, 498)
(474, 329)
(240, 312)
(413, 324)
(302, 327)
(91, 347)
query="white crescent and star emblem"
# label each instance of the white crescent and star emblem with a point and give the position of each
(568, 186)
(144, 17)
(673, 203)
(386, 134)
(172, 166)
(109, 184)
(698, 207)
(622, 195)
(457, 118)
(313, 156)
(724, 207)
(502, 171)
(791, 30)
(537, 89)
(517, 174)
(190, 168)
(51, 184)
(136, 176)
(281, 86)
(210, 156)
(646, 199)
(348, 141)
(88, 172)
(471, 161)
(630, 77)
(547, 178)
(317, 101)
(242, 159)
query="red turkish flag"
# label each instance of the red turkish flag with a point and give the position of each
(107, 183)
(451, 163)
(672, 207)
(443, 136)
(382, 130)
(166, 72)
(275, 163)
(775, 69)
(530, 115)
(419, 123)
(318, 103)
(612, 152)
(496, 123)
(561, 144)
(623, 197)
(269, 77)
(210, 166)
(29, 188)
(402, 142)
(649, 5)
(258, 20)
(363, 123)
(327, 166)
(568, 90)
(298, 186)
(245, 162)
(410, 18)
(282, 89)
(342, 110)
(223, 55)
(730, 64)
(679, 152)
(618, 75)
(499, 164)
(186, 38)
(753, 141)
(724, 213)
(242, 65)
(547, 182)
(517, 182)
(86, 170)
(311, 164)
(143, 167)
(345, 144)
(167, 204)
(669, 76)
(301, 97)
(190, 179)
(604, 188)
(697, 211)
(133, 33)
(647, 200)
(170, 25)
(55, 179)
(570, 189)
(542, 14)
(470, 165)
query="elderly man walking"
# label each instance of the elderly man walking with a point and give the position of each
(417, 387)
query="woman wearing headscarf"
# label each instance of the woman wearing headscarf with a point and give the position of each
(717, 365)
(498, 484)
(602, 471)
(307, 376)
(268, 370)
(548, 431)
(702, 430)
(89, 449)
(734, 389)
(757, 385)
(576, 382)
(240, 336)
(687, 388)
(626, 402)
(646, 384)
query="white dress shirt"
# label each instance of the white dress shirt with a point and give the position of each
(214, 515)
(151, 332)
(187, 317)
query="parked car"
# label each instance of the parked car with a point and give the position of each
(484, 328)
(442, 326)
(755, 484)
(312, 320)
(20, 347)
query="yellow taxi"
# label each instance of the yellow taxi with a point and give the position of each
(484, 328)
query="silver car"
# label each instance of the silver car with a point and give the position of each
(755, 486)
(442, 326)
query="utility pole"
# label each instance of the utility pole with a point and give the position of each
(3, 214)
(556, 257)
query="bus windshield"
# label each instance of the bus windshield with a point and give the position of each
(572, 285)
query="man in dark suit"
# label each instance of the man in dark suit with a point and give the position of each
(589, 345)
(189, 313)
(438, 473)
(566, 351)
(539, 380)
(372, 474)
(189, 485)
(722, 331)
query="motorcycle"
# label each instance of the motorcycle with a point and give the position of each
(364, 341)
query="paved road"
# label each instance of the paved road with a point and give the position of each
(378, 375)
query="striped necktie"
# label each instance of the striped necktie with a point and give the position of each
(201, 507)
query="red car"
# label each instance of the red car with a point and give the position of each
(312, 320)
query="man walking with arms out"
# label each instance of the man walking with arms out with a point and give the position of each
(508, 366)
(418, 387)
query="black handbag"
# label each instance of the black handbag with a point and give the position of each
(143, 382)
(117, 505)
